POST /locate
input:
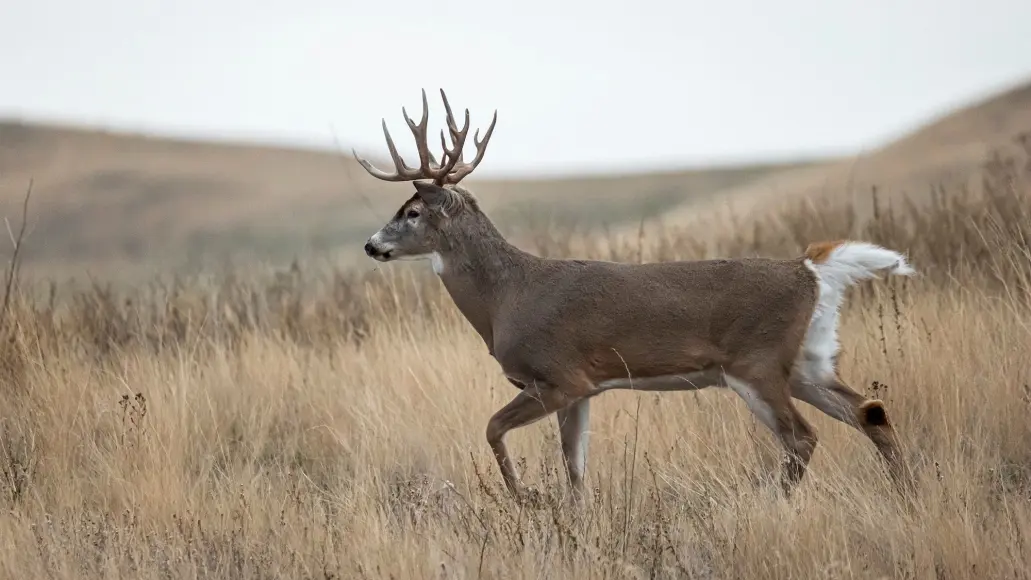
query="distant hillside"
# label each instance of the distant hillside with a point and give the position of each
(102, 197)
(109, 199)
(946, 151)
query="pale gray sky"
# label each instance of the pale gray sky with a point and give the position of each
(579, 85)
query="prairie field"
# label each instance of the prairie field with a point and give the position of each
(319, 423)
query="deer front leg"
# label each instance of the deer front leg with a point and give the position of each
(532, 404)
(573, 422)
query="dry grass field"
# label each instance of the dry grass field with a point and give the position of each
(312, 423)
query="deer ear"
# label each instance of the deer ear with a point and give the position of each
(431, 193)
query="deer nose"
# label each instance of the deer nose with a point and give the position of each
(369, 250)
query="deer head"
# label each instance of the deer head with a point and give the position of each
(418, 228)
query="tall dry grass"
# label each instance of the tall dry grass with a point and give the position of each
(330, 425)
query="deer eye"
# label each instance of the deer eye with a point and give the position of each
(412, 214)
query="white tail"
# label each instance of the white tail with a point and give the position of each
(842, 264)
(839, 265)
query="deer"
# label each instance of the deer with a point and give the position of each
(566, 330)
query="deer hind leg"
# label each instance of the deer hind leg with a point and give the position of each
(532, 404)
(573, 422)
(767, 396)
(836, 399)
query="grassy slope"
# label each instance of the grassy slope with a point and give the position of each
(103, 197)
(944, 152)
(104, 200)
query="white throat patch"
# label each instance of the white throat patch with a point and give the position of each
(437, 261)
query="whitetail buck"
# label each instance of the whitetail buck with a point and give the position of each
(564, 331)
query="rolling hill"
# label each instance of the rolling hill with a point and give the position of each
(946, 151)
(121, 199)
(104, 199)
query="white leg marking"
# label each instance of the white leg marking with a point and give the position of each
(678, 382)
(756, 405)
(824, 399)
(573, 422)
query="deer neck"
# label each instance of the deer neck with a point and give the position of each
(480, 269)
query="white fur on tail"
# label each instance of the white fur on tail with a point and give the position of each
(850, 262)
(837, 267)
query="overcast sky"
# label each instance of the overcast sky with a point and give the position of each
(579, 85)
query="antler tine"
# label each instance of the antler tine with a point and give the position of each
(453, 155)
(451, 118)
(426, 159)
(404, 173)
(452, 167)
(447, 152)
(465, 169)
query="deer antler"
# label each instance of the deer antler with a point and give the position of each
(459, 168)
(453, 169)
